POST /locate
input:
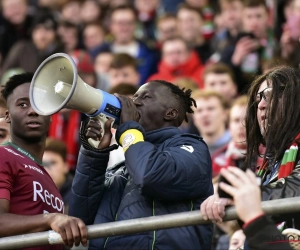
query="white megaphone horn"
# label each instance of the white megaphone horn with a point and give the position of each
(56, 85)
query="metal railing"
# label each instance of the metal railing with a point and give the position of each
(273, 207)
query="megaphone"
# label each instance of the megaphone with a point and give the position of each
(56, 85)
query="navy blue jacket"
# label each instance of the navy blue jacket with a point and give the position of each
(169, 172)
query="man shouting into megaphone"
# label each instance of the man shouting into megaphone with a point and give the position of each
(165, 171)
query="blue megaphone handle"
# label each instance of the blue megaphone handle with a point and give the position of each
(111, 107)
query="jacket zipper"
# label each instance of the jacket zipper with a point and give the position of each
(108, 237)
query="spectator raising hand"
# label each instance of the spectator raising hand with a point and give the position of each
(243, 47)
(258, 228)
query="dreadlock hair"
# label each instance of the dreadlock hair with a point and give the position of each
(283, 114)
(183, 98)
(15, 81)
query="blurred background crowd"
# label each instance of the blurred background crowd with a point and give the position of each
(214, 47)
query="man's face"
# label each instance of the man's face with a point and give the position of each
(122, 26)
(296, 7)
(43, 37)
(262, 108)
(152, 105)
(89, 11)
(4, 130)
(4, 127)
(93, 37)
(25, 123)
(237, 124)
(293, 21)
(103, 62)
(255, 20)
(69, 37)
(167, 28)
(209, 116)
(56, 167)
(237, 240)
(189, 24)
(175, 53)
(232, 14)
(14, 11)
(123, 75)
(71, 11)
(221, 83)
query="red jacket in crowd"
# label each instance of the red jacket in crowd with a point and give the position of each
(193, 68)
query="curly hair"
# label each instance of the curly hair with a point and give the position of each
(283, 113)
(15, 81)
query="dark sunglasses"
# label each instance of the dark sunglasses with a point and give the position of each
(266, 94)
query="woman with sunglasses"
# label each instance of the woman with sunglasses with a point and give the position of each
(272, 120)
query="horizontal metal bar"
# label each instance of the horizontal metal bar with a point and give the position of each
(273, 207)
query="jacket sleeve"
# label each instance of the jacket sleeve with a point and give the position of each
(88, 185)
(284, 187)
(263, 234)
(181, 170)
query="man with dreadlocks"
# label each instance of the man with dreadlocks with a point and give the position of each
(165, 171)
(272, 120)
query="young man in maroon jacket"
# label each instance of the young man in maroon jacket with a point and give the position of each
(29, 199)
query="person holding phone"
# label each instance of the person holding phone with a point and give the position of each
(258, 228)
(252, 45)
(272, 119)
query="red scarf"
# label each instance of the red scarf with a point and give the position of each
(288, 161)
(67, 131)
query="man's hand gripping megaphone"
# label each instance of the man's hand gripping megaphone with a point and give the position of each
(96, 134)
